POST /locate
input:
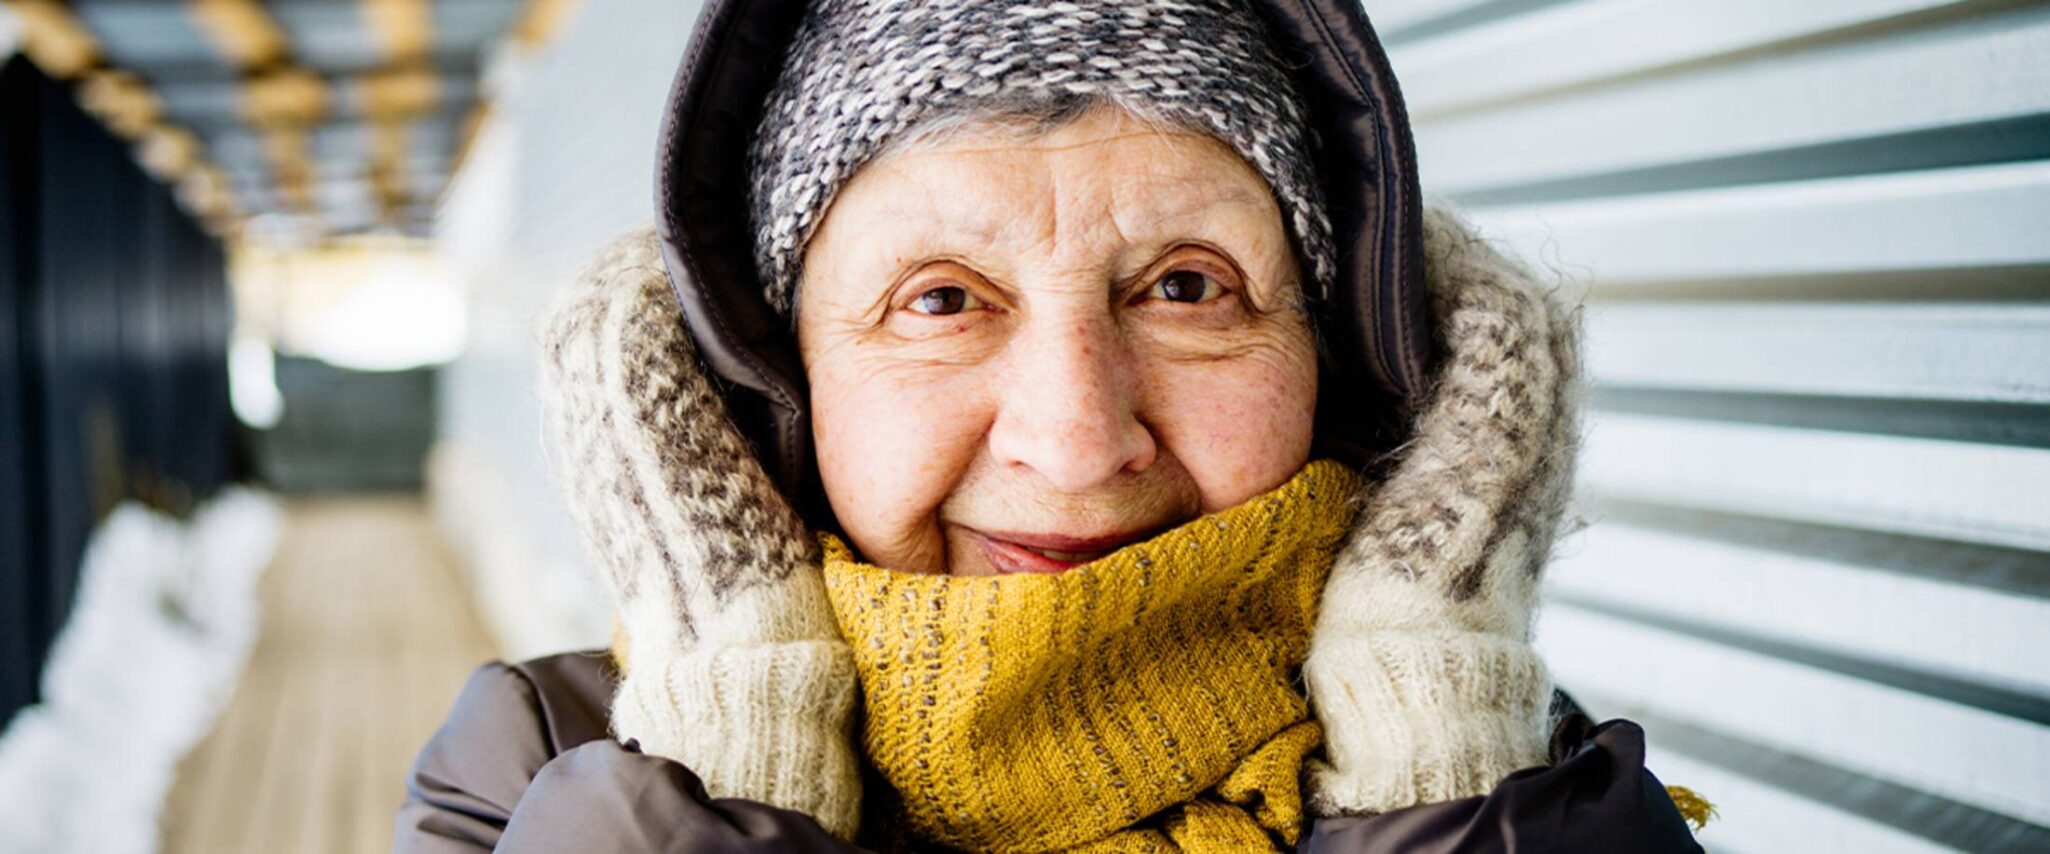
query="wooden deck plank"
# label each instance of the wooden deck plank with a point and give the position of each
(368, 633)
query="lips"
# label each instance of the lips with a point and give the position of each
(1012, 553)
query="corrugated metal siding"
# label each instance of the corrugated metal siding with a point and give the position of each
(1816, 241)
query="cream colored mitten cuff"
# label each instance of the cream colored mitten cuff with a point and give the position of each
(734, 664)
(1420, 666)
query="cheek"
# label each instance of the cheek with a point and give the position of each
(1240, 426)
(890, 448)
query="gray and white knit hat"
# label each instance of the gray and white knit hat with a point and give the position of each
(861, 72)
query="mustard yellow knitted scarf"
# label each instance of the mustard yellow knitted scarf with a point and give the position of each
(1148, 701)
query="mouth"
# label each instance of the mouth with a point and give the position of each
(1013, 553)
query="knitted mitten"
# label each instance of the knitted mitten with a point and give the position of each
(1420, 666)
(734, 665)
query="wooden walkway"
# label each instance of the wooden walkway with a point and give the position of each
(368, 633)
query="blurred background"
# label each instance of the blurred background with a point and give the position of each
(271, 484)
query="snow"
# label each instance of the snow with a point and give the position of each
(165, 618)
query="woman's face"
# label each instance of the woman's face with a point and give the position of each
(1025, 353)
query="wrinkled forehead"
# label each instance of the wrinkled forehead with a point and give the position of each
(1076, 179)
(1102, 183)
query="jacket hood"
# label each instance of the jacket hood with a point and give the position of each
(1373, 328)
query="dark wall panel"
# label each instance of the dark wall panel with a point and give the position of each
(20, 538)
(75, 332)
(113, 357)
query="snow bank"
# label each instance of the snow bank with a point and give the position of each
(165, 618)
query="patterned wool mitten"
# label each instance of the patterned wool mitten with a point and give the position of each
(1420, 666)
(734, 665)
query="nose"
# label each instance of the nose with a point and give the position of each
(1067, 410)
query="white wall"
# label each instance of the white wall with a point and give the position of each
(565, 164)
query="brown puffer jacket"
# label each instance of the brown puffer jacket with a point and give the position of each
(524, 762)
(524, 765)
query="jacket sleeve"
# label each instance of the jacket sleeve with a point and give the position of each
(605, 797)
(1597, 798)
(466, 781)
(489, 780)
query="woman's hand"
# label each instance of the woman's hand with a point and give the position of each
(1420, 666)
(734, 665)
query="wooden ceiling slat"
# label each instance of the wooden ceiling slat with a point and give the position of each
(291, 168)
(284, 97)
(241, 30)
(54, 39)
(121, 100)
(62, 46)
(396, 94)
(401, 93)
(405, 26)
(387, 170)
(168, 152)
(279, 97)
(206, 188)
(542, 19)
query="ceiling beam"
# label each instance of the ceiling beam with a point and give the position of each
(63, 47)
(205, 187)
(168, 152)
(405, 27)
(401, 93)
(394, 97)
(473, 124)
(54, 39)
(241, 30)
(541, 20)
(449, 60)
(121, 100)
(388, 171)
(279, 97)
(285, 96)
(291, 168)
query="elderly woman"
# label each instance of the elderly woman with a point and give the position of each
(1049, 426)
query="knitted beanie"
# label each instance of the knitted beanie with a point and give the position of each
(861, 72)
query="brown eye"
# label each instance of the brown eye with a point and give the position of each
(1186, 286)
(944, 300)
